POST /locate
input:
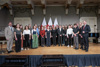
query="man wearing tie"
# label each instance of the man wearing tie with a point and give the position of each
(9, 35)
(85, 34)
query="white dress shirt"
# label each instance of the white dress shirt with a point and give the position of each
(69, 31)
(60, 29)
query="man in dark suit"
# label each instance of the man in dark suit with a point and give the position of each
(60, 31)
(85, 33)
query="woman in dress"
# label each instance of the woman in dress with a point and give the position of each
(34, 38)
(54, 36)
(63, 35)
(48, 37)
(26, 37)
(21, 28)
(42, 35)
(18, 37)
(50, 28)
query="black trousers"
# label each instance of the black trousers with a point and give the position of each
(66, 42)
(82, 42)
(63, 39)
(86, 42)
(59, 40)
(54, 40)
(26, 41)
(79, 40)
(42, 41)
(70, 39)
(18, 43)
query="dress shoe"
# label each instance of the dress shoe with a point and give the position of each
(83, 49)
(9, 52)
(86, 51)
(76, 48)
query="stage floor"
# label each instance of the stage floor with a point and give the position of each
(53, 50)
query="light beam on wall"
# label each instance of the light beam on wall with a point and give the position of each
(66, 11)
(77, 11)
(32, 11)
(44, 11)
(11, 12)
(98, 11)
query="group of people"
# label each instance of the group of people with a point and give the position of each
(47, 35)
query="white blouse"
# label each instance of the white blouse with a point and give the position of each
(26, 32)
(69, 31)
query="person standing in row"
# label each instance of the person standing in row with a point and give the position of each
(9, 35)
(30, 28)
(66, 42)
(75, 33)
(70, 36)
(21, 28)
(26, 37)
(39, 37)
(42, 35)
(54, 36)
(60, 31)
(63, 35)
(50, 28)
(34, 38)
(81, 37)
(18, 38)
(85, 32)
(48, 37)
(37, 30)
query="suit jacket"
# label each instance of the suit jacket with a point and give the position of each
(64, 32)
(60, 32)
(54, 33)
(8, 33)
(86, 29)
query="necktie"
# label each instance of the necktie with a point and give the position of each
(83, 27)
(11, 29)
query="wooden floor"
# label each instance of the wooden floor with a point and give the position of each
(93, 49)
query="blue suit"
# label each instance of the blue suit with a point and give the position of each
(86, 35)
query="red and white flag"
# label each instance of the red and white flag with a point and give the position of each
(44, 22)
(50, 22)
(55, 22)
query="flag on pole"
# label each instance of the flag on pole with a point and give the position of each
(50, 22)
(55, 22)
(44, 22)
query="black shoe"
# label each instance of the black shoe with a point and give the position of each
(76, 48)
(86, 51)
(83, 49)
(9, 52)
(42, 46)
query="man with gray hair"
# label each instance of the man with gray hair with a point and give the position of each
(85, 33)
(9, 35)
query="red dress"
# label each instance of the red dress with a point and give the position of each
(42, 33)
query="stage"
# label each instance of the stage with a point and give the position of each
(55, 50)
(71, 57)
